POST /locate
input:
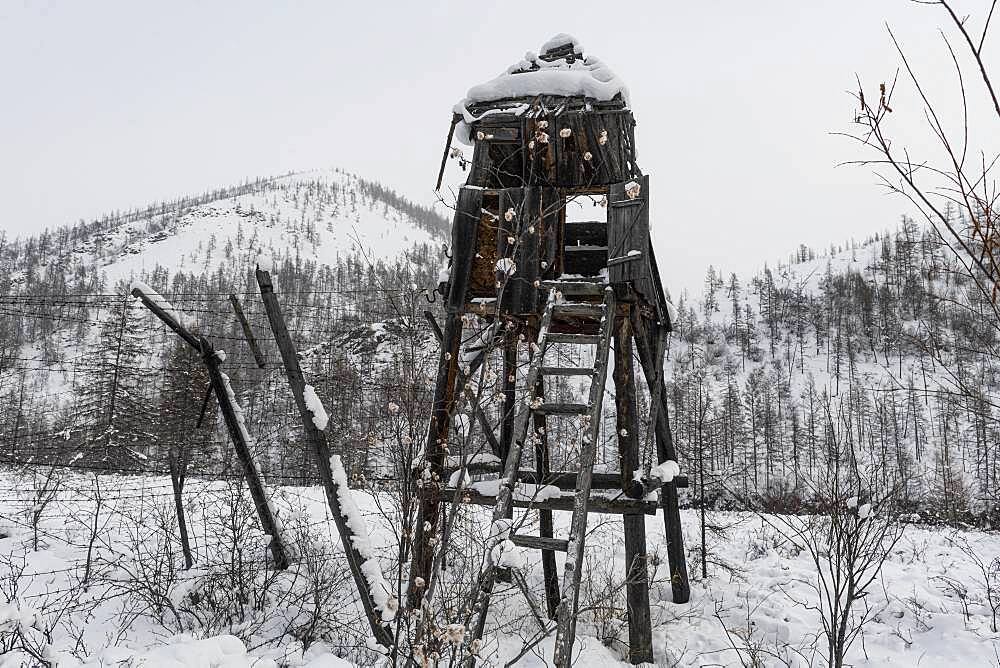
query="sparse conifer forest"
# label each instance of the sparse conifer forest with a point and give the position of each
(306, 422)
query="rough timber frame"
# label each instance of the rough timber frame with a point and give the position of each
(530, 156)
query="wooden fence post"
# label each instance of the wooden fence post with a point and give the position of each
(321, 449)
(233, 416)
(247, 332)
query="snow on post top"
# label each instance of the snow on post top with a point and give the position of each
(562, 69)
(562, 41)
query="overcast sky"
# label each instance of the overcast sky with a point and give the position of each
(110, 105)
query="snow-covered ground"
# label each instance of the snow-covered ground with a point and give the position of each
(137, 606)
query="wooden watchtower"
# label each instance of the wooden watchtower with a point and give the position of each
(554, 129)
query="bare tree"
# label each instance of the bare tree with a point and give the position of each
(957, 191)
(848, 539)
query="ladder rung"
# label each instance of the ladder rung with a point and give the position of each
(563, 409)
(581, 287)
(578, 308)
(564, 502)
(540, 542)
(582, 248)
(566, 480)
(580, 339)
(567, 371)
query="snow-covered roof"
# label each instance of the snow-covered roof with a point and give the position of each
(562, 70)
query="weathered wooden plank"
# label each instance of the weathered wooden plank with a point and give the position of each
(585, 260)
(482, 171)
(501, 133)
(577, 288)
(640, 631)
(455, 118)
(464, 233)
(628, 233)
(621, 259)
(650, 357)
(539, 542)
(578, 309)
(168, 319)
(576, 339)
(232, 416)
(519, 239)
(596, 504)
(566, 480)
(428, 516)
(568, 155)
(321, 453)
(567, 371)
(506, 164)
(541, 152)
(247, 332)
(507, 425)
(587, 233)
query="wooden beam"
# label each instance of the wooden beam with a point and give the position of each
(640, 631)
(545, 543)
(596, 504)
(434, 455)
(167, 318)
(470, 396)
(247, 332)
(447, 147)
(233, 417)
(647, 343)
(321, 452)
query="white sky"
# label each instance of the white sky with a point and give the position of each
(110, 105)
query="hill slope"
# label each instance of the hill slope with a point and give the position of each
(876, 357)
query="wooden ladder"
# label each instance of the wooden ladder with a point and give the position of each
(500, 528)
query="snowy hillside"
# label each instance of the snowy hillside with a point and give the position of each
(321, 216)
(874, 357)
(79, 356)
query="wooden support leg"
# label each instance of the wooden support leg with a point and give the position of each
(509, 407)
(437, 437)
(545, 528)
(232, 415)
(646, 340)
(640, 632)
(509, 382)
(470, 396)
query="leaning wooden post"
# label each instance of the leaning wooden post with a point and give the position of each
(640, 631)
(247, 332)
(468, 212)
(376, 596)
(232, 415)
(463, 382)
(434, 457)
(646, 346)
(510, 338)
